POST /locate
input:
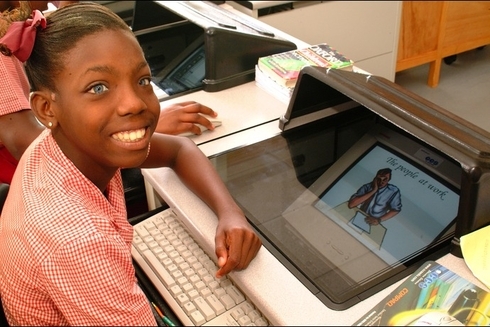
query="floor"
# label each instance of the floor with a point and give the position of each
(464, 86)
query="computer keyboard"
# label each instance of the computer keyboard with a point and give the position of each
(185, 275)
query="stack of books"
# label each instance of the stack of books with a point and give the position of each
(278, 73)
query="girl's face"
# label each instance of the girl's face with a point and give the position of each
(105, 107)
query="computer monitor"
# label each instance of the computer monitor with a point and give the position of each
(185, 72)
(421, 190)
(295, 187)
(209, 47)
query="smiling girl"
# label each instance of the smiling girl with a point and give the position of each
(64, 237)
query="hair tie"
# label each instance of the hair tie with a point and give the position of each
(20, 36)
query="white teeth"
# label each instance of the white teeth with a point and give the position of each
(130, 136)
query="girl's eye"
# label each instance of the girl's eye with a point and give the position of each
(98, 89)
(145, 81)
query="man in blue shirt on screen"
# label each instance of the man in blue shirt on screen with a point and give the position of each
(378, 199)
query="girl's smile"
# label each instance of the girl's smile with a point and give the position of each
(105, 108)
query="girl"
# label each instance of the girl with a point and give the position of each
(18, 125)
(64, 237)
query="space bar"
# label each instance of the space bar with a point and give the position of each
(157, 266)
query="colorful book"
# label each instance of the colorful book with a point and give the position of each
(284, 67)
(267, 84)
(433, 295)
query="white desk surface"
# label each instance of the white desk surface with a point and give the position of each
(271, 287)
(239, 108)
(249, 115)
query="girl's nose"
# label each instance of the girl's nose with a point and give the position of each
(131, 102)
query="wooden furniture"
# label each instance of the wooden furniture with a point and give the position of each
(433, 30)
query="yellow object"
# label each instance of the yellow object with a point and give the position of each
(476, 253)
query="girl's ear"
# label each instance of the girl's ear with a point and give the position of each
(42, 105)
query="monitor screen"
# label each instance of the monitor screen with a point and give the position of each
(402, 206)
(185, 73)
(298, 190)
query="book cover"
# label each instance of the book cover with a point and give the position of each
(263, 81)
(284, 67)
(433, 295)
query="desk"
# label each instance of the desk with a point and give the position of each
(278, 293)
(250, 115)
(270, 285)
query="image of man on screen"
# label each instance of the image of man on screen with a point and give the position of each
(379, 199)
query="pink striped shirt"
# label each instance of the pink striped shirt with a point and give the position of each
(65, 247)
(14, 96)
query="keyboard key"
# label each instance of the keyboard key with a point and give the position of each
(182, 281)
(193, 294)
(246, 307)
(167, 232)
(197, 252)
(187, 272)
(182, 299)
(163, 242)
(189, 307)
(204, 308)
(178, 261)
(261, 322)
(197, 265)
(171, 237)
(205, 292)
(254, 315)
(213, 285)
(149, 225)
(154, 232)
(173, 255)
(235, 294)
(180, 248)
(197, 318)
(169, 220)
(219, 292)
(142, 232)
(152, 244)
(207, 279)
(225, 282)
(193, 246)
(244, 321)
(202, 272)
(171, 268)
(227, 301)
(175, 290)
(237, 313)
(169, 248)
(176, 243)
(177, 274)
(167, 262)
(179, 229)
(215, 304)
(142, 247)
(183, 235)
(199, 285)
(173, 225)
(186, 254)
(161, 256)
(187, 288)
(157, 250)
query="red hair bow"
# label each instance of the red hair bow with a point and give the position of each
(20, 36)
